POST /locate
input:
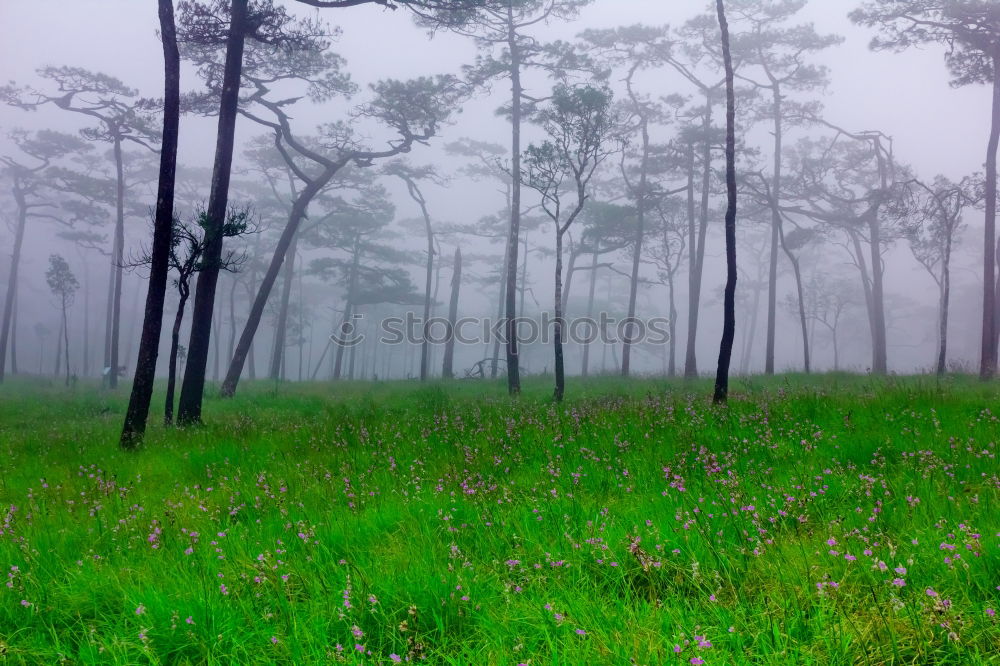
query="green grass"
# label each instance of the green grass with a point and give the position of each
(636, 523)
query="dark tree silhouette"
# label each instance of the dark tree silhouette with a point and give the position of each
(729, 307)
(145, 368)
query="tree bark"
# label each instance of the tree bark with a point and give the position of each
(280, 329)
(281, 252)
(640, 230)
(193, 386)
(145, 368)
(15, 262)
(729, 307)
(65, 328)
(772, 280)
(175, 339)
(513, 370)
(694, 277)
(988, 358)
(590, 305)
(447, 370)
(557, 343)
(117, 265)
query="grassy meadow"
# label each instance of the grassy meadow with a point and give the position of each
(825, 520)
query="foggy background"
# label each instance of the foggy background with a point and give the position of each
(936, 130)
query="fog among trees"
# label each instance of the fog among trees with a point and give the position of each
(341, 164)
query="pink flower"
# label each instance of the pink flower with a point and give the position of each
(931, 592)
(140, 609)
(395, 658)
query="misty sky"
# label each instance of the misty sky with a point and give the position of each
(936, 129)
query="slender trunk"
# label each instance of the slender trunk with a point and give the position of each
(231, 347)
(988, 360)
(281, 252)
(879, 356)
(557, 342)
(109, 309)
(62, 325)
(352, 286)
(590, 305)
(425, 344)
(118, 258)
(280, 328)
(513, 372)
(216, 325)
(640, 230)
(672, 358)
(447, 370)
(86, 320)
(729, 307)
(942, 360)
(694, 279)
(175, 339)
(193, 386)
(13, 338)
(772, 280)
(15, 262)
(149, 343)
(65, 328)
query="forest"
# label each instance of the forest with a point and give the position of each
(499, 331)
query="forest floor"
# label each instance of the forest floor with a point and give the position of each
(824, 520)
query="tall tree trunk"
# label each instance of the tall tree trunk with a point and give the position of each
(514, 236)
(640, 230)
(557, 342)
(149, 344)
(193, 386)
(118, 259)
(281, 252)
(175, 339)
(65, 328)
(280, 329)
(15, 262)
(232, 318)
(501, 303)
(590, 305)
(13, 338)
(694, 279)
(447, 370)
(425, 344)
(942, 360)
(729, 307)
(772, 279)
(59, 347)
(988, 360)
(879, 356)
(672, 359)
(86, 318)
